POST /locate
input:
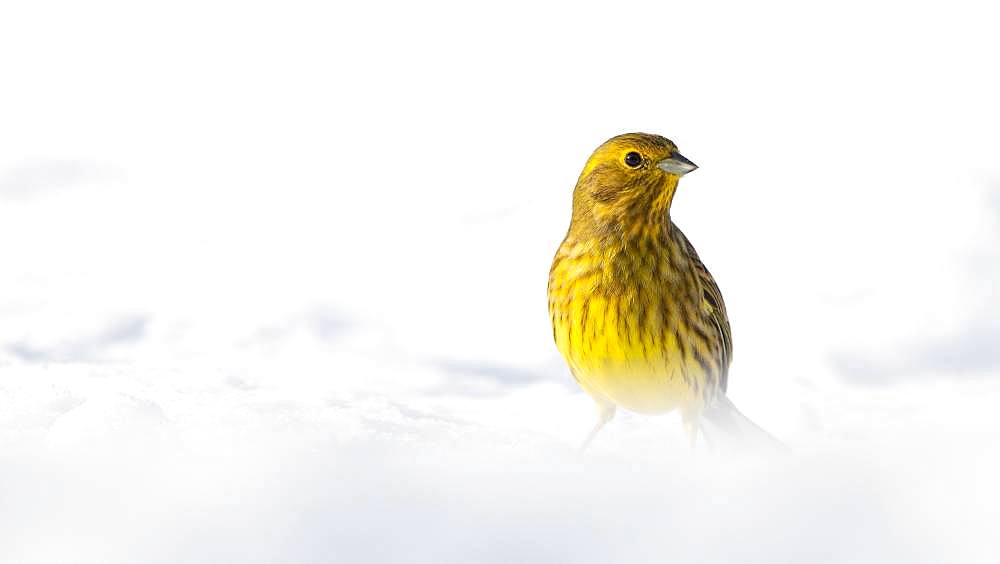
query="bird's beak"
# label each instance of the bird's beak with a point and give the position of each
(677, 164)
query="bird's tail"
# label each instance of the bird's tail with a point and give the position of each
(724, 427)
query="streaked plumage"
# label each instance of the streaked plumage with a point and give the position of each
(635, 313)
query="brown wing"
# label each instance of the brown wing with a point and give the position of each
(712, 295)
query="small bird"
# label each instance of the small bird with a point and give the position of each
(635, 313)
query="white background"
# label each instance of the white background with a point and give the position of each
(273, 280)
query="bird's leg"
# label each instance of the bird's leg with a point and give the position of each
(605, 412)
(691, 427)
(706, 437)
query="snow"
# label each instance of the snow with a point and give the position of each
(273, 284)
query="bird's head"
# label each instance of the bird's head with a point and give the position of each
(629, 182)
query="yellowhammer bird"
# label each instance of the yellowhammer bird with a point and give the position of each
(635, 313)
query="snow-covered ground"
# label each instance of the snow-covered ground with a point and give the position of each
(273, 283)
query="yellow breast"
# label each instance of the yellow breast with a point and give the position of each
(623, 322)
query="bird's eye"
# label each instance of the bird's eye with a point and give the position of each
(633, 159)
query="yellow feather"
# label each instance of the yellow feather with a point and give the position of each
(627, 292)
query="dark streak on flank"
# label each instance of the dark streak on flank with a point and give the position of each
(701, 334)
(627, 322)
(684, 346)
(705, 364)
